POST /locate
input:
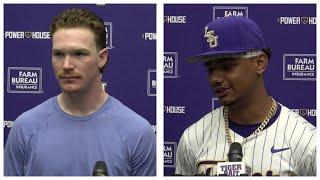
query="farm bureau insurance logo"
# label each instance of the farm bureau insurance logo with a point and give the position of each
(24, 80)
(296, 20)
(299, 67)
(225, 11)
(26, 35)
(170, 65)
(169, 154)
(152, 82)
(108, 28)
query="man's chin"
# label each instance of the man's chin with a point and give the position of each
(70, 90)
(225, 101)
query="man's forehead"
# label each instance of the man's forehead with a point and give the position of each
(218, 61)
(73, 38)
(75, 34)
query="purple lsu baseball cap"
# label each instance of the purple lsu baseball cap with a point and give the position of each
(229, 35)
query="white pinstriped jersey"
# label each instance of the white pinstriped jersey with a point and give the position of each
(287, 147)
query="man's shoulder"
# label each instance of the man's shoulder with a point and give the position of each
(34, 114)
(123, 115)
(299, 132)
(130, 125)
(211, 117)
(292, 116)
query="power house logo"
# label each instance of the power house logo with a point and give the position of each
(290, 20)
(26, 35)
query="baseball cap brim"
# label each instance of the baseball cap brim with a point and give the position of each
(212, 55)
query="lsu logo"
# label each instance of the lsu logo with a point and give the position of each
(211, 39)
(108, 28)
(299, 67)
(170, 65)
(24, 80)
(225, 11)
(152, 82)
(169, 154)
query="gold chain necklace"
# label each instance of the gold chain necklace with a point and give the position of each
(259, 129)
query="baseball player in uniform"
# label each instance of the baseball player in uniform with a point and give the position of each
(275, 140)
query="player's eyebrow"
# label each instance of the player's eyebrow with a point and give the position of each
(56, 50)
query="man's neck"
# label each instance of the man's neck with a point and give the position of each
(82, 104)
(251, 110)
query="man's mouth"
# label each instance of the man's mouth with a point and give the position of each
(221, 91)
(69, 78)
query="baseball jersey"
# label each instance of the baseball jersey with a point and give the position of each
(47, 141)
(287, 146)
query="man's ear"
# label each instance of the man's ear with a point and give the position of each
(103, 57)
(262, 63)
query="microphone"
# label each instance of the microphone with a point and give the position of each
(192, 175)
(100, 169)
(176, 175)
(235, 166)
(235, 152)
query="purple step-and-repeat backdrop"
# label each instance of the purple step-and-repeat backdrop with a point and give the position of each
(129, 76)
(289, 30)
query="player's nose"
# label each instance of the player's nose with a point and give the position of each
(67, 63)
(216, 78)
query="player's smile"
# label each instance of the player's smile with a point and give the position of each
(221, 92)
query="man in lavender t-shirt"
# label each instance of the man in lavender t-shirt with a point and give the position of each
(69, 133)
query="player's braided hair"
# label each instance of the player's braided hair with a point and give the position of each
(268, 52)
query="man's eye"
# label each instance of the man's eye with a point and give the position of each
(80, 54)
(210, 70)
(58, 54)
(227, 67)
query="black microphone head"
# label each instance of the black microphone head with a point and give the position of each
(176, 175)
(100, 169)
(235, 152)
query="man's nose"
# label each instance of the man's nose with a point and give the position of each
(216, 78)
(67, 63)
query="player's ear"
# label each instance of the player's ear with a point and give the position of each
(262, 63)
(103, 57)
